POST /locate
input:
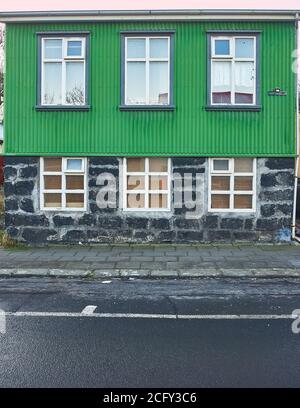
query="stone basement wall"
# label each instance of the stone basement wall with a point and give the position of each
(271, 223)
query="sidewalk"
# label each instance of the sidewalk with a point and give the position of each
(178, 261)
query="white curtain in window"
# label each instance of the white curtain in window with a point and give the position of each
(244, 77)
(221, 76)
(158, 83)
(52, 94)
(136, 83)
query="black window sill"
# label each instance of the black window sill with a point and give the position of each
(147, 107)
(56, 108)
(234, 108)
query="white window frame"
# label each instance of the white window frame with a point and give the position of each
(147, 61)
(233, 59)
(65, 164)
(146, 173)
(63, 191)
(231, 192)
(63, 60)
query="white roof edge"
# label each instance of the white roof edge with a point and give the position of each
(148, 14)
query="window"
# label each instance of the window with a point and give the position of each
(233, 70)
(146, 72)
(63, 184)
(146, 184)
(232, 185)
(63, 71)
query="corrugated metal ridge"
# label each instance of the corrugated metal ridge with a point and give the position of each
(182, 12)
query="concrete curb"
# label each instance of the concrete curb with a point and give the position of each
(149, 273)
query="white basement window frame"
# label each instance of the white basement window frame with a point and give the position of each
(146, 191)
(65, 59)
(233, 60)
(64, 172)
(232, 191)
(147, 60)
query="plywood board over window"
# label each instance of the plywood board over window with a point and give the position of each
(146, 184)
(63, 184)
(232, 185)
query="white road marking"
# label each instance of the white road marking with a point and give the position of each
(88, 310)
(154, 316)
(2, 322)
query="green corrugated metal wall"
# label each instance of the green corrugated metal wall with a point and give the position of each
(189, 130)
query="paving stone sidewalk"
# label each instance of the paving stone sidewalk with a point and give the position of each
(152, 261)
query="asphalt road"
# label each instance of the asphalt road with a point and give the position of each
(68, 349)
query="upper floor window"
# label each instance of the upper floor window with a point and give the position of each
(63, 71)
(233, 70)
(147, 70)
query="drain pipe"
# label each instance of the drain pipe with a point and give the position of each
(297, 137)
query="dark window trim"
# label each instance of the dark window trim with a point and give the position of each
(233, 32)
(56, 108)
(257, 106)
(133, 33)
(147, 107)
(238, 108)
(86, 106)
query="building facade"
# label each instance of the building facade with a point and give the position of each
(150, 127)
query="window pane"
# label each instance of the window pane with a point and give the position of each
(52, 164)
(243, 201)
(53, 49)
(136, 83)
(243, 183)
(221, 81)
(74, 182)
(136, 165)
(52, 182)
(158, 201)
(74, 200)
(52, 200)
(158, 183)
(135, 182)
(75, 83)
(52, 83)
(159, 83)
(135, 201)
(221, 165)
(244, 48)
(136, 48)
(221, 97)
(159, 48)
(220, 201)
(222, 47)
(244, 165)
(244, 82)
(74, 48)
(74, 164)
(158, 165)
(243, 98)
(220, 183)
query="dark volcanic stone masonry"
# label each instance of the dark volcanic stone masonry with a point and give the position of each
(271, 222)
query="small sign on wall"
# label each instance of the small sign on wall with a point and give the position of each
(277, 92)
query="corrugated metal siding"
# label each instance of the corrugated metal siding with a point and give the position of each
(190, 130)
